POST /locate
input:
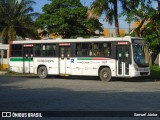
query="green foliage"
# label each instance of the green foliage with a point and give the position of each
(68, 18)
(155, 70)
(16, 19)
(152, 35)
(136, 10)
(149, 19)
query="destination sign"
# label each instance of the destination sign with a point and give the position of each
(123, 43)
(138, 41)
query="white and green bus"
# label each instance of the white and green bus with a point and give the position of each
(123, 57)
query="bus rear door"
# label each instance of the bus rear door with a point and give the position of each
(28, 58)
(123, 57)
(64, 58)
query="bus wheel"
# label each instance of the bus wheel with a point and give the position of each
(105, 74)
(42, 72)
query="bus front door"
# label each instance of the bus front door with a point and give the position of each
(65, 60)
(123, 60)
(28, 59)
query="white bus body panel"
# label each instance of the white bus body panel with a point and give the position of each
(90, 67)
(52, 65)
(16, 66)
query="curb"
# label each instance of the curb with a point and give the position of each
(3, 72)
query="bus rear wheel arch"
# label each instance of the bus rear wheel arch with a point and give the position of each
(42, 72)
(105, 74)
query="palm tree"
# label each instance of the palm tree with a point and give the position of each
(16, 19)
(110, 8)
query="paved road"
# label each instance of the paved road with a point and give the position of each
(73, 94)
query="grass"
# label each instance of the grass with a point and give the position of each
(18, 74)
(155, 72)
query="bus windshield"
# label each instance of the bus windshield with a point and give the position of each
(141, 55)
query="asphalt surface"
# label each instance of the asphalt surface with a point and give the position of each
(29, 93)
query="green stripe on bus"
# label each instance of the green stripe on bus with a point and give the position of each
(20, 59)
(84, 59)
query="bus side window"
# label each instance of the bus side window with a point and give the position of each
(4, 53)
(101, 50)
(90, 53)
(49, 50)
(37, 50)
(96, 49)
(82, 49)
(78, 51)
(16, 51)
(85, 49)
(53, 49)
(107, 49)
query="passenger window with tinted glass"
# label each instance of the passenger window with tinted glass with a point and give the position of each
(16, 51)
(107, 49)
(37, 49)
(48, 50)
(85, 49)
(4, 53)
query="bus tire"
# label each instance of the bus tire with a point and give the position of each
(42, 72)
(105, 74)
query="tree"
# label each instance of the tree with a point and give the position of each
(137, 11)
(129, 7)
(151, 32)
(16, 19)
(68, 18)
(110, 8)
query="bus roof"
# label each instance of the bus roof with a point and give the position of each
(59, 40)
(4, 46)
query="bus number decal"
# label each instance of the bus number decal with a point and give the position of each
(64, 44)
(28, 45)
(122, 43)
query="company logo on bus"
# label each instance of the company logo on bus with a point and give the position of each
(64, 44)
(123, 43)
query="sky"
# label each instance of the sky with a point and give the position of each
(40, 3)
